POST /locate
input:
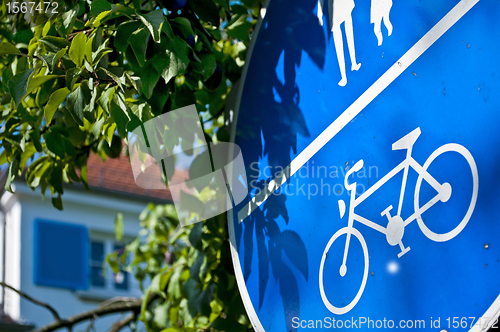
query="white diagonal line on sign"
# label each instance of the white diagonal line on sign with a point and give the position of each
(366, 98)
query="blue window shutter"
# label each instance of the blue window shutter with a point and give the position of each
(61, 255)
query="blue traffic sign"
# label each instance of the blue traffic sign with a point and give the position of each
(370, 141)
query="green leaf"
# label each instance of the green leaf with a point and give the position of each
(240, 29)
(139, 43)
(75, 105)
(223, 3)
(160, 315)
(89, 95)
(149, 78)
(55, 143)
(110, 133)
(223, 135)
(167, 28)
(178, 60)
(6, 48)
(239, 9)
(23, 36)
(203, 301)
(51, 59)
(100, 52)
(99, 6)
(47, 59)
(114, 78)
(55, 44)
(161, 93)
(196, 271)
(56, 178)
(119, 227)
(69, 148)
(58, 56)
(106, 98)
(35, 137)
(55, 100)
(83, 176)
(183, 96)
(250, 3)
(144, 305)
(101, 17)
(112, 260)
(195, 234)
(120, 115)
(173, 288)
(192, 291)
(207, 65)
(89, 48)
(159, 283)
(36, 81)
(36, 170)
(18, 85)
(114, 150)
(68, 20)
(120, 9)
(29, 151)
(13, 170)
(77, 49)
(133, 81)
(71, 76)
(184, 25)
(133, 64)
(57, 202)
(123, 32)
(206, 10)
(154, 22)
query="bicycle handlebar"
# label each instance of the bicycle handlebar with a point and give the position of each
(355, 168)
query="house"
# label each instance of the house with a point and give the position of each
(57, 256)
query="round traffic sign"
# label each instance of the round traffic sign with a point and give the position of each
(369, 135)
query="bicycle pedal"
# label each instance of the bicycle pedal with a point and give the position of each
(404, 251)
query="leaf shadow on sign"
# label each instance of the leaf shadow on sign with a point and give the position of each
(269, 123)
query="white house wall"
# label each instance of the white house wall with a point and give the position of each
(12, 208)
(95, 211)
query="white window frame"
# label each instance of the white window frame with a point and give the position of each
(108, 291)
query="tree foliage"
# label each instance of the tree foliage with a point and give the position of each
(76, 81)
(193, 285)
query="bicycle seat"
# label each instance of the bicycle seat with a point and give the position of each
(407, 141)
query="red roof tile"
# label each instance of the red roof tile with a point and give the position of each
(115, 175)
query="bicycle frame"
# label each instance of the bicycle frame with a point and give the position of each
(403, 166)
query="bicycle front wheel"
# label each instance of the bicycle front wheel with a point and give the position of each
(342, 309)
(442, 237)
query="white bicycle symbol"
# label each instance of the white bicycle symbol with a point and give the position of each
(396, 225)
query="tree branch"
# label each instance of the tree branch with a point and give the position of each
(121, 324)
(92, 314)
(29, 298)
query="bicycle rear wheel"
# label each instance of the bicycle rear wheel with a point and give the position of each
(452, 147)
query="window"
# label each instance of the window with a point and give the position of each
(121, 278)
(67, 256)
(100, 246)
(96, 261)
